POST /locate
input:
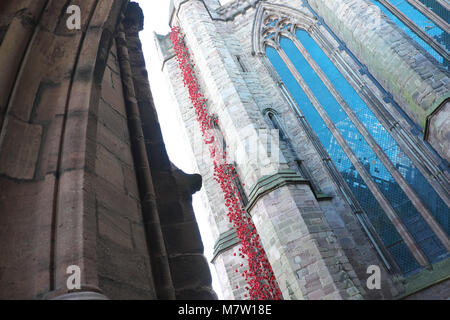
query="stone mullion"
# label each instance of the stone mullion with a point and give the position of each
(412, 195)
(392, 215)
(422, 34)
(342, 186)
(430, 14)
(414, 149)
(444, 4)
(336, 177)
(411, 145)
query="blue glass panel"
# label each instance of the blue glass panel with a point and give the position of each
(409, 215)
(417, 181)
(423, 22)
(398, 251)
(378, 132)
(378, 218)
(390, 189)
(437, 8)
(412, 175)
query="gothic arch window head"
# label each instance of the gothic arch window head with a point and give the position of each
(276, 122)
(363, 151)
(275, 25)
(273, 21)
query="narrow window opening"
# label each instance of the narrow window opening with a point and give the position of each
(241, 64)
(239, 186)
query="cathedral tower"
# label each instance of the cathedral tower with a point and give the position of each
(356, 180)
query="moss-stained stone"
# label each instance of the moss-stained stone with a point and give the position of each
(415, 80)
(426, 278)
(438, 129)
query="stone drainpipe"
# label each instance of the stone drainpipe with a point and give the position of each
(155, 241)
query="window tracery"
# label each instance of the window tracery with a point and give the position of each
(364, 152)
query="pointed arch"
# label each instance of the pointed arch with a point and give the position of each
(304, 39)
(273, 20)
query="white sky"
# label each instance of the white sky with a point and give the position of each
(156, 18)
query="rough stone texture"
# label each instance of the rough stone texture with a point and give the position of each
(173, 190)
(69, 193)
(317, 247)
(381, 45)
(120, 251)
(441, 290)
(439, 130)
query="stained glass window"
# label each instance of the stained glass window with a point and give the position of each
(423, 22)
(399, 201)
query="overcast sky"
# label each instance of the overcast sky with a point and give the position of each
(156, 18)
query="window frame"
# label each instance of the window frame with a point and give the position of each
(403, 138)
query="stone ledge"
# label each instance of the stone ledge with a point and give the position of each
(437, 129)
(267, 184)
(165, 48)
(426, 278)
(225, 241)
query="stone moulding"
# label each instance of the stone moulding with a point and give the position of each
(224, 13)
(165, 48)
(264, 10)
(173, 11)
(230, 10)
(267, 184)
(226, 240)
(436, 128)
(433, 110)
(426, 278)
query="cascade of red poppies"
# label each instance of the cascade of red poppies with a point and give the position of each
(261, 283)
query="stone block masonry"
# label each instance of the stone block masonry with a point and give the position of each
(317, 242)
(71, 182)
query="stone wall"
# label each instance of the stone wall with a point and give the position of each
(76, 188)
(239, 98)
(416, 80)
(316, 245)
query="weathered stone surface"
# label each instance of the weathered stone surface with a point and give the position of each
(69, 193)
(439, 130)
(316, 245)
(184, 265)
(388, 54)
(20, 149)
(173, 188)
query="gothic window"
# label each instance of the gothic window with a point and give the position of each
(275, 121)
(222, 145)
(276, 124)
(241, 64)
(425, 21)
(405, 211)
(218, 136)
(239, 187)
